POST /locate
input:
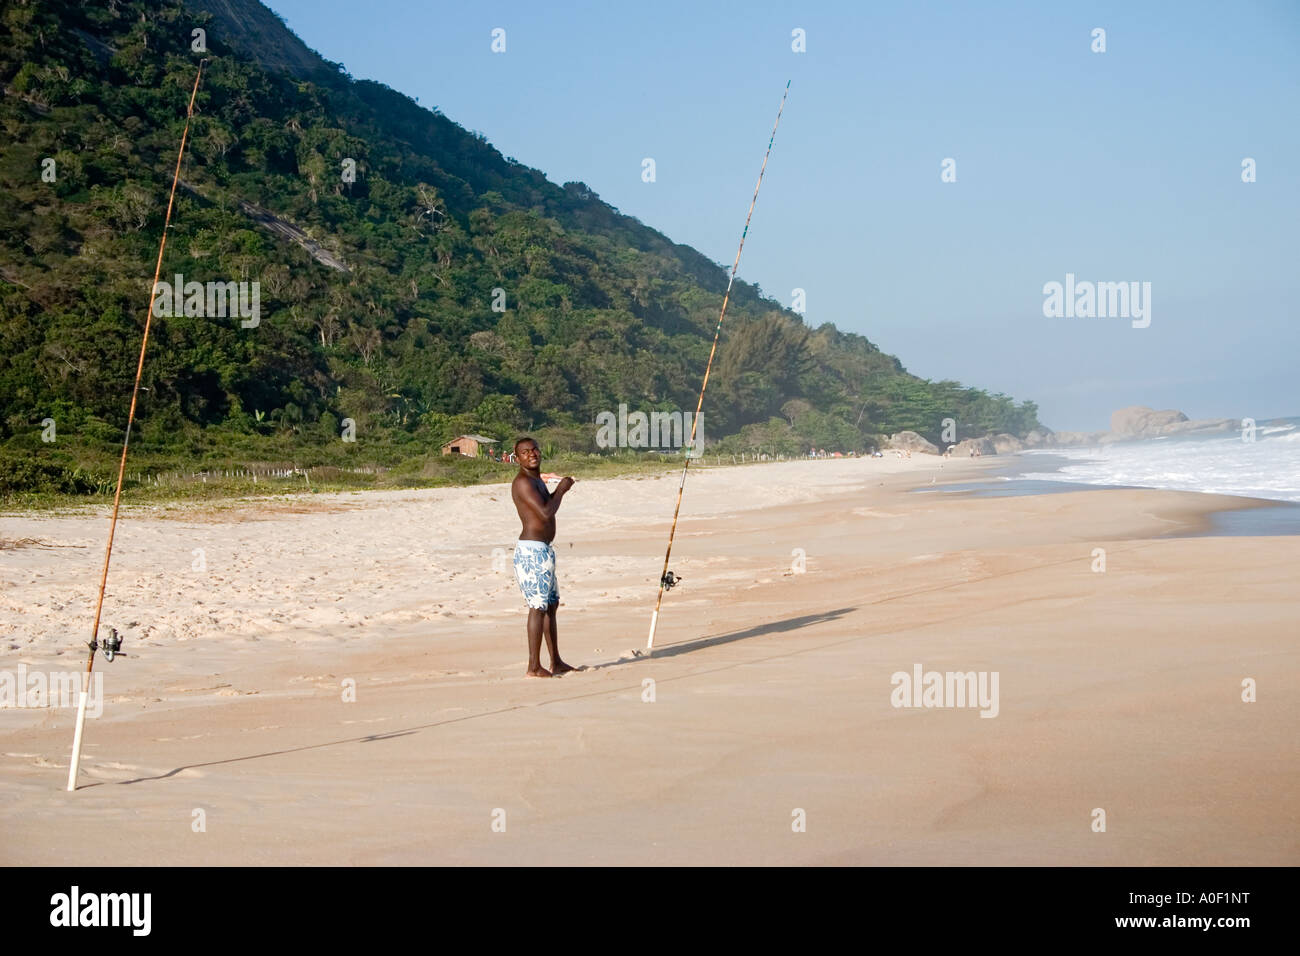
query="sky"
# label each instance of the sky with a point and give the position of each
(1117, 166)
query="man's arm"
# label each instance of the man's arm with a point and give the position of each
(526, 492)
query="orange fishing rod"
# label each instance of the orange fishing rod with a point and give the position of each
(666, 579)
(113, 643)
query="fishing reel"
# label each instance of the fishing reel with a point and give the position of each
(112, 645)
(670, 581)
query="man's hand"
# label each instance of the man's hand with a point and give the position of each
(565, 483)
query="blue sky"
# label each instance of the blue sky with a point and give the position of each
(1115, 166)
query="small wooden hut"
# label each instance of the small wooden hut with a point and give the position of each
(467, 445)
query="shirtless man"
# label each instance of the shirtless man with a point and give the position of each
(534, 556)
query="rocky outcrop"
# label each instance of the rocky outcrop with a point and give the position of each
(1138, 421)
(1203, 426)
(910, 441)
(1005, 444)
(1134, 423)
(289, 231)
(977, 446)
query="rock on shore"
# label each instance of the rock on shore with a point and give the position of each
(911, 441)
(1134, 423)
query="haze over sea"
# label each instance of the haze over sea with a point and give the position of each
(1268, 467)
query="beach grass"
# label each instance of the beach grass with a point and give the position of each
(152, 480)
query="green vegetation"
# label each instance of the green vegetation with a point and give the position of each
(403, 340)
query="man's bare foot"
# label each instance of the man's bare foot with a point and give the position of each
(540, 672)
(559, 667)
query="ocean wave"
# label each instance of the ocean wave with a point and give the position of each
(1266, 468)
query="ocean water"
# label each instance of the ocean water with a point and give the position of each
(1268, 467)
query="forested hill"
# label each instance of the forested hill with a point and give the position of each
(376, 295)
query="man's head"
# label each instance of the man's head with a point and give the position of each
(527, 452)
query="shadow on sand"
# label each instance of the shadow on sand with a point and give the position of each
(699, 644)
(668, 650)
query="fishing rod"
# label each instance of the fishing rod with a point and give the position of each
(667, 580)
(113, 643)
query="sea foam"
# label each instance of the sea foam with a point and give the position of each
(1268, 467)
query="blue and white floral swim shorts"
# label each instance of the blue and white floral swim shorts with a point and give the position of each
(535, 572)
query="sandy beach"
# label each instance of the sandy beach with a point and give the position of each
(768, 703)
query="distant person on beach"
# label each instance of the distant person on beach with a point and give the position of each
(535, 557)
